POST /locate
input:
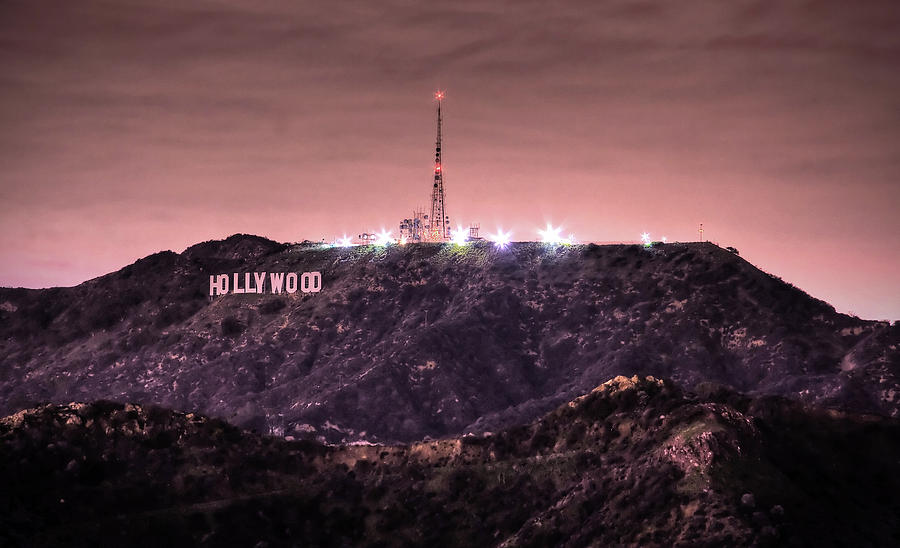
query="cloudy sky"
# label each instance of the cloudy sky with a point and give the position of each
(131, 126)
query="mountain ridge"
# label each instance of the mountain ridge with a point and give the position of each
(635, 462)
(432, 340)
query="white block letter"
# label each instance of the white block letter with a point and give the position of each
(260, 278)
(292, 282)
(277, 280)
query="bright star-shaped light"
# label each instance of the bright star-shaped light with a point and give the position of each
(501, 239)
(645, 238)
(384, 238)
(345, 241)
(664, 239)
(551, 235)
(459, 236)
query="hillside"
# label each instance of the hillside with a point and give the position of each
(432, 340)
(632, 463)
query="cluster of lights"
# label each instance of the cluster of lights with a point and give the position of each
(550, 235)
(648, 241)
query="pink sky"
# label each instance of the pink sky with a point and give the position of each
(135, 126)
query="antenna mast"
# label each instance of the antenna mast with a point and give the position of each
(439, 222)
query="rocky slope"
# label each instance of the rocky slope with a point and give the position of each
(633, 463)
(432, 340)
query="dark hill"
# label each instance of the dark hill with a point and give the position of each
(432, 340)
(633, 463)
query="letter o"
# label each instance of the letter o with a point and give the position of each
(291, 282)
(311, 282)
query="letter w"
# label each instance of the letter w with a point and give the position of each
(277, 280)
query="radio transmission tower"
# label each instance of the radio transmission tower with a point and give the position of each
(439, 222)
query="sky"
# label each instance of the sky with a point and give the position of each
(128, 127)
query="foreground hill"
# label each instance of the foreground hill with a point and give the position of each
(429, 339)
(634, 462)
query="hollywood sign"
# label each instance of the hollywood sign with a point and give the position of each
(278, 282)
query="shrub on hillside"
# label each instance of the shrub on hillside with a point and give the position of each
(232, 327)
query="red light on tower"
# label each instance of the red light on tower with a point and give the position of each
(437, 167)
(439, 95)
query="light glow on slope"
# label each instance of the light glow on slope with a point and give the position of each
(384, 238)
(501, 239)
(459, 236)
(551, 235)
